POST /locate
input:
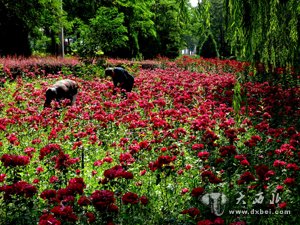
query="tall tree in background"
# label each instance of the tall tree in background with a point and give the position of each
(216, 38)
(168, 19)
(21, 21)
(139, 23)
(207, 27)
(265, 31)
(104, 33)
(154, 27)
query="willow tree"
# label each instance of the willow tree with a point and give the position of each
(265, 31)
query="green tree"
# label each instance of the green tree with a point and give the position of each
(169, 18)
(138, 20)
(207, 26)
(104, 33)
(265, 31)
(22, 21)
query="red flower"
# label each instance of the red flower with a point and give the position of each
(130, 198)
(263, 172)
(219, 221)
(143, 172)
(25, 188)
(279, 188)
(48, 219)
(113, 208)
(126, 159)
(39, 170)
(197, 146)
(65, 213)
(253, 141)
(282, 205)
(63, 161)
(2, 177)
(94, 172)
(289, 181)
(48, 194)
(293, 166)
(193, 212)
(227, 150)
(203, 155)
(144, 200)
(196, 192)
(13, 139)
(116, 172)
(91, 217)
(278, 163)
(162, 161)
(76, 186)
(245, 162)
(188, 166)
(101, 199)
(84, 201)
(205, 222)
(184, 191)
(10, 160)
(53, 179)
(49, 149)
(108, 159)
(246, 177)
(29, 151)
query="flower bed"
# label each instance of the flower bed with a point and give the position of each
(174, 151)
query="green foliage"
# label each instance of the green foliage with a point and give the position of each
(237, 98)
(169, 29)
(138, 20)
(265, 31)
(104, 33)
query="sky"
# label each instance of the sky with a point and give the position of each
(194, 2)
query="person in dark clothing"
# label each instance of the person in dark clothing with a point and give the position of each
(63, 89)
(121, 78)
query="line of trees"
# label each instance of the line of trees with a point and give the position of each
(252, 30)
(123, 28)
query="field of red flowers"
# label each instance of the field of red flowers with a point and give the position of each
(189, 145)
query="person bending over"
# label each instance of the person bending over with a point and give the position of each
(63, 89)
(121, 78)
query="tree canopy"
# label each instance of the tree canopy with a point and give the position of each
(265, 31)
(257, 31)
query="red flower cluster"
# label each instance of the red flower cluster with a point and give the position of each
(203, 155)
(193, 212)
(20, 188)
(126, 159)
(253, 141)
(227, 150)
(162, 161)
(64, 213)
(48, 194)
(130, 198)
(48, 219)
(63, 161)
(117, 172)
(212, 178)
(133, 198)
(246, 177)
(263, 172)
(49, 149)
(196, 192)
(10, 160)
(103, 200)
